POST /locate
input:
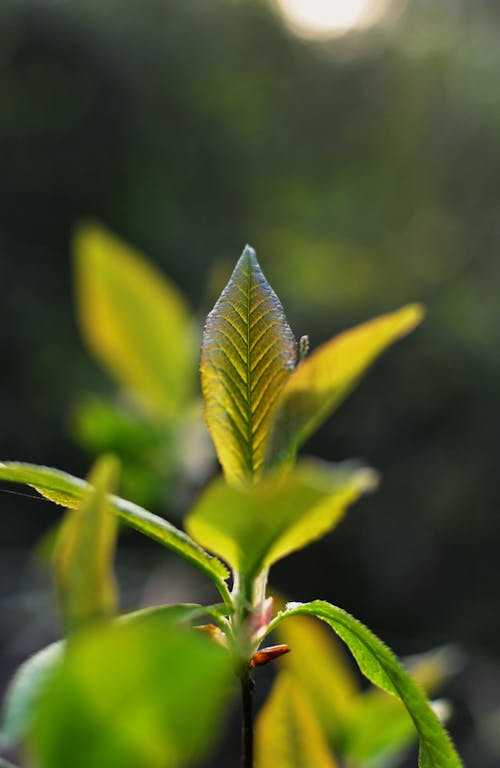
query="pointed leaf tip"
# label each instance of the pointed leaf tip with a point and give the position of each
(247, 354)
(250, 252)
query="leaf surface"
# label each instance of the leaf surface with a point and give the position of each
(131, 695)
(84, 552)
(248, 352)
(382, 668)
(134, 321)
(287, 734)
(66, 490)
(324, 378)
(251, 528)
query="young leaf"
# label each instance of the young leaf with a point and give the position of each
(248, 352)
(66, 490)
(83, 556)
(287, 734)
(281, 514)
(321, 381)
(132, 695)
(382, 668)
(135, 322)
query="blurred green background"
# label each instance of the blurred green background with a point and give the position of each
(365, 170)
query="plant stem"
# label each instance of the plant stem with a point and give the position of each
(247, 686)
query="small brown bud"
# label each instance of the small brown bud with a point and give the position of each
(268, 654)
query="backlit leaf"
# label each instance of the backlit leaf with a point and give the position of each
(84, 551)
(134, 321)
(382, 668)
(66, 490)
(131, 695)
(248, 353)
(321, 381)
(253, 527)
(287, 734)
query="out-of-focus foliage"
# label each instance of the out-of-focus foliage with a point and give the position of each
(27, 686)
(129, 695)
(135, 322)
(287, 732)
(84, 550)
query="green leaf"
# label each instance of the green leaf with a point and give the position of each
(84, 551)
(287, 734)
(31, 678)
(253, 527)
(134, 321)
(248, 353)
(321, 381)
(132, 695)
(382, 668)
(68, 491)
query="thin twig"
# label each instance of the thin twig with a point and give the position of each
(247, 686)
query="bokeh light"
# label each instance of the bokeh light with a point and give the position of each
(331, 18)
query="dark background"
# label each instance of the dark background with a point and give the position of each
(365, 170)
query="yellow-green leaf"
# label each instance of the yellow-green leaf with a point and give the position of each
(287, 734)
(84, 552)
(248, 353)
(134, 321)
(321, 381)
(253, 527)
(67, 490)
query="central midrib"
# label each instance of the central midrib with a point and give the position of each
(249, 378)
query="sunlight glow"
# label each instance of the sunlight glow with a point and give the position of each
(330, 18)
